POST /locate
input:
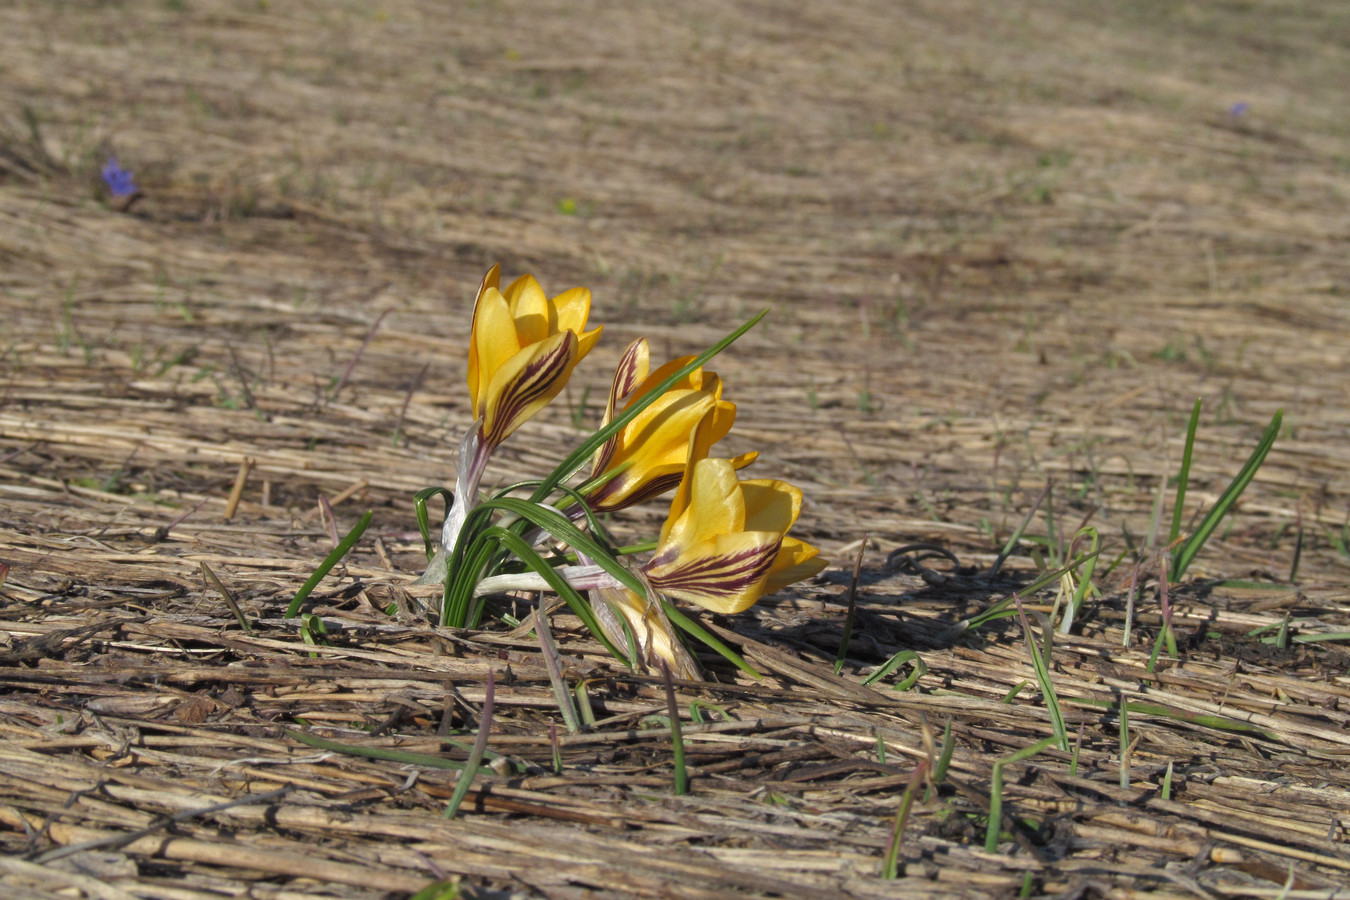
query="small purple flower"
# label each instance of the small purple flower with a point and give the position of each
(1238, 110)
(118, 179)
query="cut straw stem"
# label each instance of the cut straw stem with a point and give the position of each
(852, 601)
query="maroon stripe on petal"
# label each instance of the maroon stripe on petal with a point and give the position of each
(718, 576)
(534, 382)
(626, 374)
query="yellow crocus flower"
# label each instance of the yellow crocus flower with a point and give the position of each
(522, 350)
(648, 457)
(725, 544)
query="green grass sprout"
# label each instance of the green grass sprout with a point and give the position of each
(438, 890)
(1205, 720)
(996, 789)
(891, 866)
(1165, 633)
(1004, 608)
(1124, 742)
(584, 708)
(313, 631)
(225, 594)
(1040, 661)
(549, 649)
(1016, 536)
(676, 736)
(945, 753)
(389, 755)
(342, 549)
(557, 748)
(1184, 475)
(895, 662)
(1186, 552)
(471, 766)
(696, 708)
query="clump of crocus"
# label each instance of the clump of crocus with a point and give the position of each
(724, 544)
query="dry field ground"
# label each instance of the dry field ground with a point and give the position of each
(1005, 245)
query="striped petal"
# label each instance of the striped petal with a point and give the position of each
(525, 384)
(649, 456)
(724, 544)
(725, 574)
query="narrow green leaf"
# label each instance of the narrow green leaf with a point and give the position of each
(561, 528)
(465, 778)
(398, 756)
(852, 606)
(680, 620)
(891, 865)
(554, 668)
(341, 550)
(1001, 609)
(1184, 475)
(996, 790)
(676, 736)
(1041, 664)
(895, 662)
(1124, 743)
(1187, 552)
(432, 541)
(517, 545)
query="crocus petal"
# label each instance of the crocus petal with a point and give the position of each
(770, 505)
(711, 501)
(723, 545)
(700, 444)
(654, 444)
(480, 370)
(571, 309)
(628, 374)
(697, 380)
(526, 383)
(533, 314)
(797, 561)
(649, 456)
(725, 574)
